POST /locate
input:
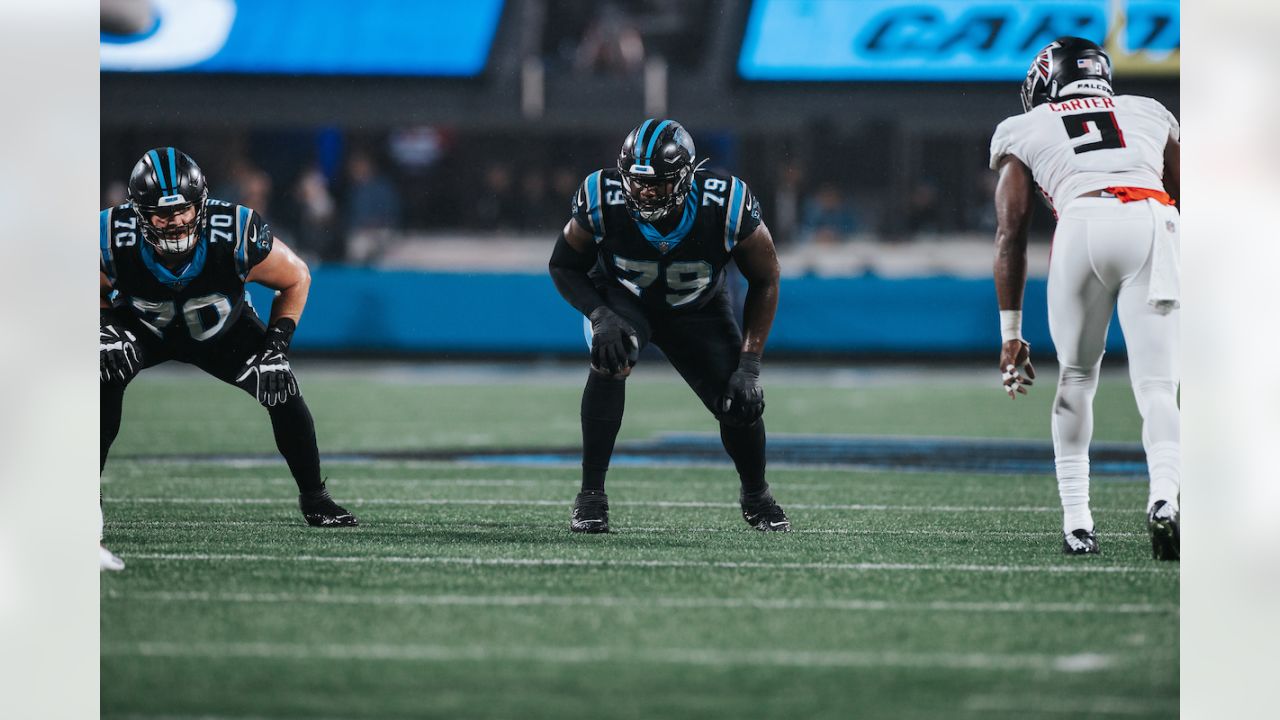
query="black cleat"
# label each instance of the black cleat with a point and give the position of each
(1162, 521)
(590, 513)
(321, 511)
(1080, 542)
(764, 513)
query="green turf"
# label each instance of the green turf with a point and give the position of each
(464, 595)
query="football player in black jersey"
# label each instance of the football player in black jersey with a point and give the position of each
(643, 258)
(174, 265)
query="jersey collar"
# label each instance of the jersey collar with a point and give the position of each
(165, 275)
(665, 243)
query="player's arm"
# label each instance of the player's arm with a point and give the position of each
(104, 291)
(1014, 198)
(571, 259)
(1173, 171)
(118, 356)
(284, 271)
(614, 346)
(742, 402)
(758, 261)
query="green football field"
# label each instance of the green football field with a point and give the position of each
(909, 589)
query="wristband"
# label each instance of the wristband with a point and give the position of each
(280, 334)
(1010, 325)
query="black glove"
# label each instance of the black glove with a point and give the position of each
(743, 400)
(614, 346)
(267, 374)
(118, 356)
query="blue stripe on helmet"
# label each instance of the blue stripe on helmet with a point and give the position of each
(173, 170)
(640, 138)
(155, 164)
(648, 155)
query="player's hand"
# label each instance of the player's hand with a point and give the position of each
(268, 377)
(743, 400)
(118, 356)
(1015, 367)
(614, 346)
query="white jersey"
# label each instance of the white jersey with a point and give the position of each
(1089, 143)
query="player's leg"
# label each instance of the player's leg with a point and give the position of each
(1151, 338)
(703, 346)
(603, 401)
(148, 352)
(291, 423)
(1080, 307)
(106, 559)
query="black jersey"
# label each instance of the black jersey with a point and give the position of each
(683, 267)
(195, 303)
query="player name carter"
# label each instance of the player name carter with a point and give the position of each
(1083, 103)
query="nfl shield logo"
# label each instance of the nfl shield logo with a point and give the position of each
(663, 246)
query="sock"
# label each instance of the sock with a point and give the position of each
(603, 401)
(295, 433)
(1164, 463)
(745, 446)
(1073, 488)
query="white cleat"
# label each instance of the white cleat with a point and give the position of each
(108, 560)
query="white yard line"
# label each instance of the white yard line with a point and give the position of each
(638, 503)
(851, 605)
(624, 529)
(1034, 706)
(1088, 662)
(708, 565)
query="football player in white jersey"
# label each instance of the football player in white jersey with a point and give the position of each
(1108, 166)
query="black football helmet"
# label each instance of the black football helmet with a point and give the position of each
(657, 166)
(165, 184)
(1067, 66)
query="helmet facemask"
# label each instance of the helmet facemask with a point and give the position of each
(652, 197)
(172, 230)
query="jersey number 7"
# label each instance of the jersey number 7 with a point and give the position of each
(1094, 131)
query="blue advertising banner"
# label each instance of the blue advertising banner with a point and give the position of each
(948, 40)
(368, 310)
(339, 37)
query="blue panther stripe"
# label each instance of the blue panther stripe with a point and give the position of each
(104, 240)
(594, 213)
(648, 155)
(155, 163)
(173, 170)
(242, 241)
(733, 214)
(640, 138)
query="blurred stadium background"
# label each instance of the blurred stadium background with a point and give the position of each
(421, 157)
(444, 142)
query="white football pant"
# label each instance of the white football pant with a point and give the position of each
(1101, 260)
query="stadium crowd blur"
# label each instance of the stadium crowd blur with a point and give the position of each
(347, 194)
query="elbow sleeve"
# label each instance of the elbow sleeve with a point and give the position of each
(564, 256)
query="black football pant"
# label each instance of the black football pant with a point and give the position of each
(223, 358)
(703, 345)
